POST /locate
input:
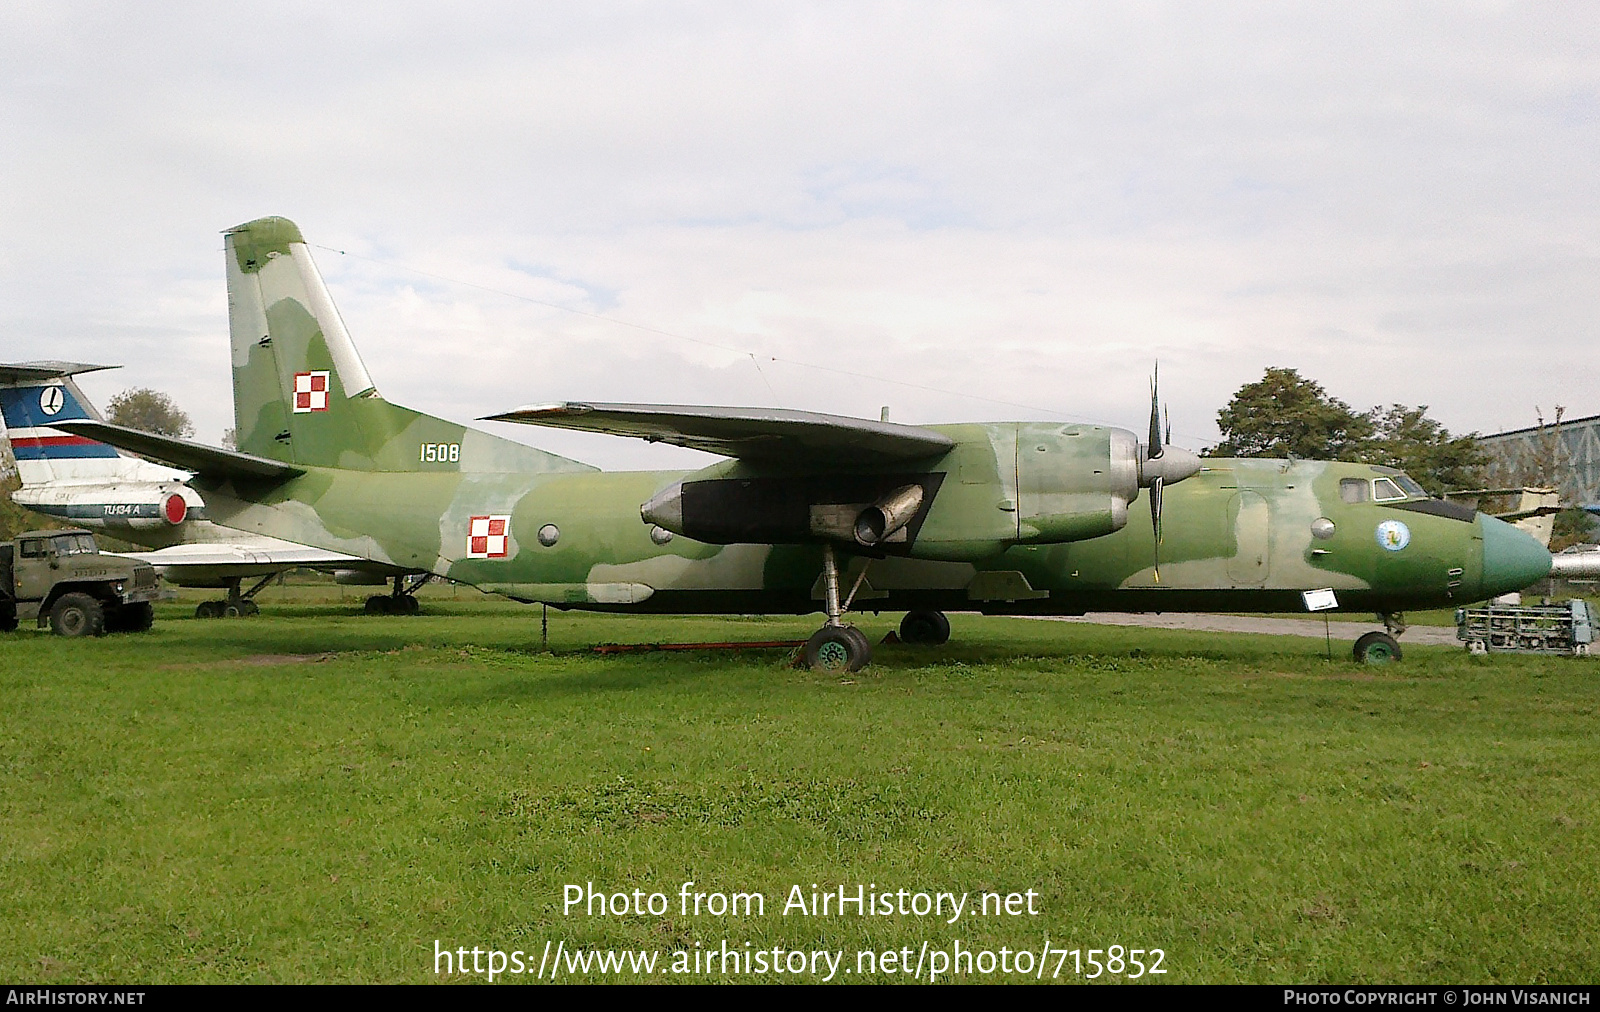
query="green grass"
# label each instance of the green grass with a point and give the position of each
(318, 795)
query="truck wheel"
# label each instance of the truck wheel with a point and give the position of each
(8, 618)
(77, 615)
(1377, 648)
(136, 617)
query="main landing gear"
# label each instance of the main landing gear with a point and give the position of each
(837, 647)
(1382, 647)
(402, 601)
(925, 627)
(237, 605)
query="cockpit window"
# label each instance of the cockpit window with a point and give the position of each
(32, 549)
(1353, 489)
(1412, 488)
(1383, 490)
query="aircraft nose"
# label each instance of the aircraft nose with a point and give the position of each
(1512, 559)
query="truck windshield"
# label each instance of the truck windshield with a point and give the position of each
(75, 544)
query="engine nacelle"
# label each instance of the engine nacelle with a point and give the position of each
(1001, 484)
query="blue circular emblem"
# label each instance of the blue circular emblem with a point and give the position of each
(1393, 535)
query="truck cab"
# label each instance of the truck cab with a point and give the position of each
(60, 578)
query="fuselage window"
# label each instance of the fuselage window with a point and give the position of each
(1353, 489)
(1384, 490)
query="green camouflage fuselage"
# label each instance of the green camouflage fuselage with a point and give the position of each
(1019, 518)
(1237, 538)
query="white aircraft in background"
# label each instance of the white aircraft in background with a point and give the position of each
(92, 485)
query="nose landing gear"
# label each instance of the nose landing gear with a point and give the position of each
(1382, 647)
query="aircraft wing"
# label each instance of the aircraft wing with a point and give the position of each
(213, 564)
(205, 461)
(748, 433)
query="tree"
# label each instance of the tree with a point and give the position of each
(1408, 439)
(1285, 414)
(149, 411)
(15, 519)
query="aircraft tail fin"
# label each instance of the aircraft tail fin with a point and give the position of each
(301, 393)
(34, 396)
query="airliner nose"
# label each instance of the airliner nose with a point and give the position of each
(1512, 559)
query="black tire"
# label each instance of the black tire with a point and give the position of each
(838, 649)
(8, 617)
(378, 604)
(249, 609)
(136, 617)
(1377, 648)
(76, 615)
(208, 609)
(231, 610)
(409, 605)
(930, 627)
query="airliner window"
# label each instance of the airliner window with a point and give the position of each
(1411, 487)
(1384, 490)
(1353, 490)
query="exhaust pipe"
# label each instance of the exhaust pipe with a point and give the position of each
(888, 515)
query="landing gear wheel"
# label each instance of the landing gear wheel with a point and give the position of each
(409, 605)
(1377, 648)
(77, 615)
(930, 627)
(838, 649)
(378, 604)
(208, 609)
(249, 608)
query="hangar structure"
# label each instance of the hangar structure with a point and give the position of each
(1564, 454)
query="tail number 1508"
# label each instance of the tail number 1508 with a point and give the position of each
(439, 453)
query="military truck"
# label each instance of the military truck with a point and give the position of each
(60, 577)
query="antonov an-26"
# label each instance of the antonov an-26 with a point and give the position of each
(808, 512)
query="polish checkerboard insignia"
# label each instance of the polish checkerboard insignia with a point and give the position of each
(488, 537)
(310, 392)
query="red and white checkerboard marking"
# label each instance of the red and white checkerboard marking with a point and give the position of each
(487, 538)
(310, 392)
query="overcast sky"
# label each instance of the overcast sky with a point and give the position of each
(961, 211)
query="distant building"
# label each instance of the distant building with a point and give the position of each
(1566, 456)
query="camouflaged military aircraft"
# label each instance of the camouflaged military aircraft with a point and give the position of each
(809, 512)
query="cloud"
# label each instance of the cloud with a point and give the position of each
(995, 210)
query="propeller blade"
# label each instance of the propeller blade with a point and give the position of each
(1155, 523)
(1155, 416)
(1167, 414)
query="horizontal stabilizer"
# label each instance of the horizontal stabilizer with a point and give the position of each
(206, 461)
(33, 372)
(748, 433)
